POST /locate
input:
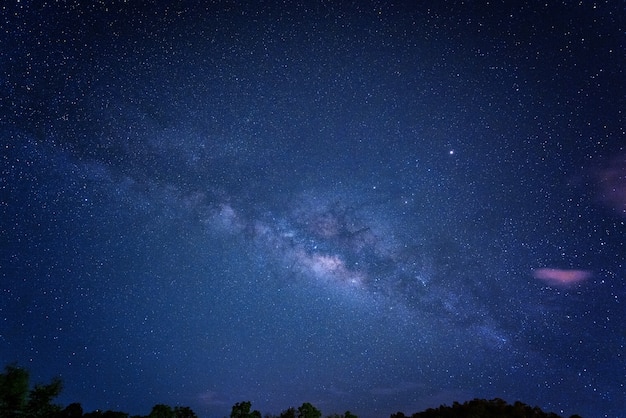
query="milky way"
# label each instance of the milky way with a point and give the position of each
(370, 207)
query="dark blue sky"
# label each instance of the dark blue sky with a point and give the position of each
(375, 206)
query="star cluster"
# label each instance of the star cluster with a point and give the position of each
(370, 207)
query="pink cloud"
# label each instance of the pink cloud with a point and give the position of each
(561, 277)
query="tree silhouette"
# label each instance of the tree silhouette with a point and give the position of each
(13, 390)
(346, 414)
(73, 410)
(242, 410)
(308, 411)
(481, 408)
(40, 398)
(106, 414)
(166, 411)
(17, 401)
(288, 413)
(184, 412)
(162, 411)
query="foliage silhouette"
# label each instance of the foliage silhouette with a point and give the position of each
(306, 410)
(106, 414)
(73, 410)
(162, 411)
(242, 410)
(13, 390)
(346, 414)
(17, 400)
(482, 408)
(288, 413)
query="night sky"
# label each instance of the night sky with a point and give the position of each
(368, 206)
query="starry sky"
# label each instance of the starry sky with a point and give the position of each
(370, 206)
